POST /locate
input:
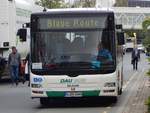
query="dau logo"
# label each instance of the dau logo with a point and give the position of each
(37, 79)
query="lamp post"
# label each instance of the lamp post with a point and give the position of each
(135, 39)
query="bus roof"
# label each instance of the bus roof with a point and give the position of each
(76, 10)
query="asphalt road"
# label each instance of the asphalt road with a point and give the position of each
(17, 99)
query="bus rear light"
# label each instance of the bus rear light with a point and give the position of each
(108, 91)
(110, 84)
(38, 92)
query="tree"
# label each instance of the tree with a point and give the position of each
(88, 3)
(145, 25)
(121, 3)
(51, 3)
(84, 3)
(62, 4)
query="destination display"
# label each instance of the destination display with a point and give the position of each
(72, 23)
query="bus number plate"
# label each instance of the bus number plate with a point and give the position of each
(73, 94)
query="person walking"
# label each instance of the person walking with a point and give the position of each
(22, 71)
(14, 62)
(27, 74)
(135, 58)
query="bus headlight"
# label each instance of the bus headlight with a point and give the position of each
(36, 85)
(110, 84)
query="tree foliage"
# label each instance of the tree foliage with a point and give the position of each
(51, 3)
(145, 26)
(62, 4)
(83, 3)
(121, 3)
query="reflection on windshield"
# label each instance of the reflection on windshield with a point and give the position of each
(76, 50)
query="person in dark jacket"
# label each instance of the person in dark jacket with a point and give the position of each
(135, 58)
(14, 62)
(2, 65)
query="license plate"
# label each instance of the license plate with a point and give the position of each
(73, 94)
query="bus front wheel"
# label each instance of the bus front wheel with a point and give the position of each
(44, 101)
(114, 99)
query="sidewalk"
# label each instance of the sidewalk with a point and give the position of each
(137, 100)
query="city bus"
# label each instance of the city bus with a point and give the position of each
(64, 57)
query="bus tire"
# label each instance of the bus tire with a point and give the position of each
(44, 101)
(120, 91)
(114, 99)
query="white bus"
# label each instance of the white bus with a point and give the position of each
(65, 60)
(13, 14)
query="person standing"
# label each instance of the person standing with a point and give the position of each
(14, 62)
(135, 58)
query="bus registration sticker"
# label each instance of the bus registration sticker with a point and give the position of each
(73, 94)
(37, 66)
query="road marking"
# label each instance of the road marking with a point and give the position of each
(105, 112)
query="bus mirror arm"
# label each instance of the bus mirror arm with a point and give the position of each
(22, 33)
(120, 38)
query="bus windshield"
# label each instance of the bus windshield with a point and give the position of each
(72, 51)
(73, 45)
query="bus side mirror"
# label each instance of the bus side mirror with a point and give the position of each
(120, 38)
(119, 26)
(22, 33)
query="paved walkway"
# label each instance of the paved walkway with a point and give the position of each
(137, 100)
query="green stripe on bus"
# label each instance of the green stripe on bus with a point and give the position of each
(62, 93)
(90, 93)
(55, 93)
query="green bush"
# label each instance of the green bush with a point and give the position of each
(148, 59)
(148, 73)
(148, 100)
(148, 104)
